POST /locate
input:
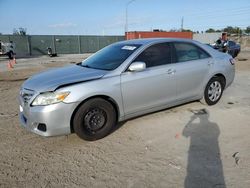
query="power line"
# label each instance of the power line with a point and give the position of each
(218, 26)
(202, 12)
(222, 14)
(230, 20)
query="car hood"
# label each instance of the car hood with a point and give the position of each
(52, 79)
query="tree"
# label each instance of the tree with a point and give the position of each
(229, 29)
(233, 30)
(174, 30)
(210, 30)
(20, 31)
(238, 30)
(247, 30)
(186, 30)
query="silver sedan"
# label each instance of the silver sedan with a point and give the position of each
(121, 81)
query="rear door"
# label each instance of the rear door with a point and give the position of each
(155, 86)
(192, 67)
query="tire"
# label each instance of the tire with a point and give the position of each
(10, 55)
(233, 55)
(94, 119)
(236, 54)
(212, 96)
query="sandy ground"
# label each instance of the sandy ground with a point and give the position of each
(190, 146)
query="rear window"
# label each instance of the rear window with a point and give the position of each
(189, 52)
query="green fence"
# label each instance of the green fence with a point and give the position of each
(61, 44)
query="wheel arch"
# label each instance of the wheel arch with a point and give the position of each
(202, 99)
(214, 75)
(105, 97)
(221, 76)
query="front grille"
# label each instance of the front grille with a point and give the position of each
(26, 94)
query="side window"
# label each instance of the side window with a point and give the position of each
(155, 55)
(189, 52)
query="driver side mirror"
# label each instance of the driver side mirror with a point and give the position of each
(137, 66)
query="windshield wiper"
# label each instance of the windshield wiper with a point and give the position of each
(83, 65)
(87, 66)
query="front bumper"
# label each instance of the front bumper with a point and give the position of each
(55, 117)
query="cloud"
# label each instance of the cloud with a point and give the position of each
(63, 25)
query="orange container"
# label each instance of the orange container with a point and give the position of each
(157, 34)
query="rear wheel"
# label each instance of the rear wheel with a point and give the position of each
(214, 90)
(94, 119)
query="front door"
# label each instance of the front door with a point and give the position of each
(155, 86)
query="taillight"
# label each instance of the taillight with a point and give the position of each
(232, 61)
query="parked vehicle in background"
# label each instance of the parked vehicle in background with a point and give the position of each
(228, 46)
(233, 48)
(7, 49)
(121, 81)
(50, 52)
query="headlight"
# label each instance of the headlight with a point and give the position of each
(49, 98)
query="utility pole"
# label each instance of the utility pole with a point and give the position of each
(126, 15)
(182, 21)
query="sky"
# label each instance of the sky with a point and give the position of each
(107, 17)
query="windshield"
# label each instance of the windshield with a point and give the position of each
(110, 57)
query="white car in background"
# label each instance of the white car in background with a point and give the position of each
(7, 48)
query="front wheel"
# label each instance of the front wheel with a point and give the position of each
(94, 119)
(214, 90)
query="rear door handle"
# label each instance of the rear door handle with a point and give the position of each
(210, 63)
(171, 71)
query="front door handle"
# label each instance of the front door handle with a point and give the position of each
(171, 71)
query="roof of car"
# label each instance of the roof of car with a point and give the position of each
(148, 41)
(153, 40)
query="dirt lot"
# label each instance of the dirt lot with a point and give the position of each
(187, 146)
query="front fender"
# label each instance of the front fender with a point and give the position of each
(109, 87)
